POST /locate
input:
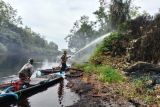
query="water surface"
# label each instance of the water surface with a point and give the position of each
(55, 96)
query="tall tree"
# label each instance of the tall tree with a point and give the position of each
(8, 15)
(81, 33)
(119, 12)
(15, 39)
(102, 17)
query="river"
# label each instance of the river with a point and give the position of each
(56, 96)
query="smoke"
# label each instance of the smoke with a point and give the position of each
(83, 54)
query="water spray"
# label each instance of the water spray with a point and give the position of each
(84, 53)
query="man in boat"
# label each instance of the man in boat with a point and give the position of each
(26, 71)
(64, 59)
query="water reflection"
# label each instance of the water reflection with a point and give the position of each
(61, 93)
(23, 103)
(10, 65)
(60, 97)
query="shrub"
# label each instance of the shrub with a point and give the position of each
(110, 41)
(96, 58)
(123, 27)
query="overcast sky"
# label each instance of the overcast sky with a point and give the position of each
(54, 18)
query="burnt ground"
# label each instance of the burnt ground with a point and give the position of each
(94, 93)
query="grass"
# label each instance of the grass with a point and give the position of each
(131, 90)
(137, 90)
(88, 68)
(108, 74)
(104, 73)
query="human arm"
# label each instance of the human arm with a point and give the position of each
(68, 57)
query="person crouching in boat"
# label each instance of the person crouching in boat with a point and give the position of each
(26, 71)
(64, 59)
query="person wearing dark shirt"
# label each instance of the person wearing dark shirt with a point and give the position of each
(64, 59)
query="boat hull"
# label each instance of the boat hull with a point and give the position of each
(33, 89)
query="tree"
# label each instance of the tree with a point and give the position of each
(119, 12)
(53, 46)
(8, 15)
(102, 17)
(15, 39)
(134, 12)
(81, 33)
(84, 31)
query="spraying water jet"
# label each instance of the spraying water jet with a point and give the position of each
(83, 54)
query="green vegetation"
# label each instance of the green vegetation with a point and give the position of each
(109, 42)
(135, 38)
(119, 12)
(107, 20)
(113, 51)
(82, 33)
(108, 74)
(105, 73)
(16, 40)
(137, 91)
(113, 44)
(97, 60)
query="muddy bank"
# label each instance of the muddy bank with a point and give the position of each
(94, 93)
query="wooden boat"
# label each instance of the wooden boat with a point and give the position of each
(54, 70)
(36, 84)
(49, 71)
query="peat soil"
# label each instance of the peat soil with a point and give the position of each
(94, 93)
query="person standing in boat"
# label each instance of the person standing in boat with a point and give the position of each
(64, 59)
(26, 71)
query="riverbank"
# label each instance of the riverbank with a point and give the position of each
(128, 85)
(124, 68)
(94, 93)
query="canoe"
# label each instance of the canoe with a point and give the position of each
(36, 84)
(53, 70)
(49, 71)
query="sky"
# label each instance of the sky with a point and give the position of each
(54, 18)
